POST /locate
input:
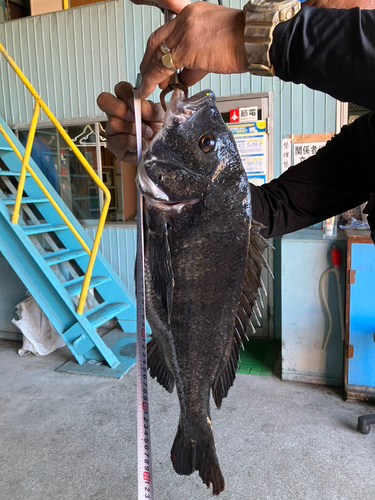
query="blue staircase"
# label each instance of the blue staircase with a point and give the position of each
(51, 263)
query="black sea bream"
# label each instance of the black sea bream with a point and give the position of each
(201, 284)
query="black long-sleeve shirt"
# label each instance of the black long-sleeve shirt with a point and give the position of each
(333, 51)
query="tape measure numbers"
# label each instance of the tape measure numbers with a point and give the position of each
(145, 490)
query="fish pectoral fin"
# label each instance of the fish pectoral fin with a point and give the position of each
(248, 305)
(160, 264)
(157, 366)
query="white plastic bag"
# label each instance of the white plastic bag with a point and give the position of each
(39, 336)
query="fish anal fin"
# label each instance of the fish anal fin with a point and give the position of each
(225, 380)
(157, 366)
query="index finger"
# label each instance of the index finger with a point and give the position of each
(152, 70)
(151, 112)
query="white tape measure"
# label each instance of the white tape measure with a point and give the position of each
(143, 414)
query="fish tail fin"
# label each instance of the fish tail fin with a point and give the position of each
(190, 452)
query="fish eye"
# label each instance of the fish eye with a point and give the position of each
(207, 143)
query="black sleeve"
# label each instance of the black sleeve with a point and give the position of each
(331, 50)
(339, 177)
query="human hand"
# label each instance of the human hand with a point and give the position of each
(203, 38)
(120, 129)
(175, 6)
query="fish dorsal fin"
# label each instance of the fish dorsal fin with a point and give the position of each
(158, 367)
(248, 306)
(160, 264)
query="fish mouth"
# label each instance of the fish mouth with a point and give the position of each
(148, 188)
(157, 196)
(172, 207)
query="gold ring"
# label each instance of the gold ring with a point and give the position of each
(167, 62)
(166, 58)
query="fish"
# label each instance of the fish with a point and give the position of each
(203, 258)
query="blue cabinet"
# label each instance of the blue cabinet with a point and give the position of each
(360, 318)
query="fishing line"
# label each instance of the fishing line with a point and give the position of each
(145, 490)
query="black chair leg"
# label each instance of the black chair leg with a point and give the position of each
(364, 423)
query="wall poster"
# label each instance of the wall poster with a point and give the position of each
(303, 146)
(251, 139)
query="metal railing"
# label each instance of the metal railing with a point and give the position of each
(40, 104)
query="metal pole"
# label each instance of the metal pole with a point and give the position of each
(99, 162)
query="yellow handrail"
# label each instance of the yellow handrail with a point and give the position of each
(39, 103)
(25, 162)
(45, 192)
(65, 4)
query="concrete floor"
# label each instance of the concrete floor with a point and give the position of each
(73, 437)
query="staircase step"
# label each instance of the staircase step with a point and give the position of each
(44, 228)
(73, 287)
(10, 173)
(22, 251)
(63, 256)
(104, 312)
(12, 200)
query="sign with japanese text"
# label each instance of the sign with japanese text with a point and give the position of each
(297, 148)
(304, 150)
(243, 115)
(286, 154)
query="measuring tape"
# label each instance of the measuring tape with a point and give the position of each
(145, 490)
(143, 414)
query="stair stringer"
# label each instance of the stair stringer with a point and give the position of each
(111, 292)
(47, 290)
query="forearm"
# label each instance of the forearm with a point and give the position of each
(329, 50)
(339, 177)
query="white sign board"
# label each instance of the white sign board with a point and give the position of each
(302, 151)
(286, 155)
(251, 139)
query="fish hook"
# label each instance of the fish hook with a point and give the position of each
(174, 83)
